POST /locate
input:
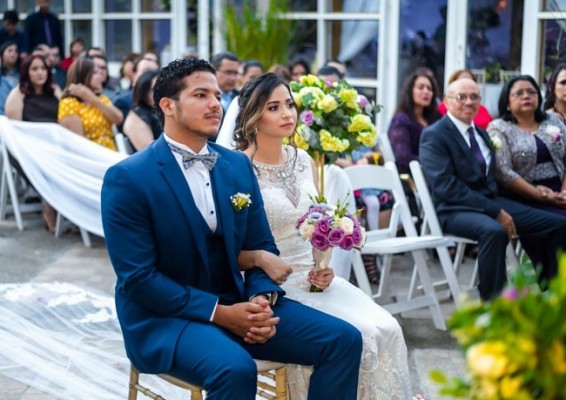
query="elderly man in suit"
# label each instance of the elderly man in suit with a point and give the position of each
(458, 160)
(174, 235)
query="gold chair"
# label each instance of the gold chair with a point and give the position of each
(271, 383)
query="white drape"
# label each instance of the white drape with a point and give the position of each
(357, 34)
(66, 169)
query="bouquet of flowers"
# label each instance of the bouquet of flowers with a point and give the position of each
(333, 117)
(327, 226)
(515, 345)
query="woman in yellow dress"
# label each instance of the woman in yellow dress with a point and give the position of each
(83, 108)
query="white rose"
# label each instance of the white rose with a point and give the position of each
(306, 229)
(496, 142)
(552, 130)
(347, 225)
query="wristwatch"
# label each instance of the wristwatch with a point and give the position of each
(270, 296)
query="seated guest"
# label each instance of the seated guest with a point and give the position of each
(458, 160)
(338, 65)
(250, 69)
(6, 86)
(141, 126)
(530, 151)
(555, 98)
(483, 118)
(124, 102)
(83, 108)
(415, 111)
(110, 85)
(36, 99)
(76, 48)
(329, 74)
(282, 71)
(9, 32)
(298, 68)
(10, 61)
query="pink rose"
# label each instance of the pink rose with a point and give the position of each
(357, 236)
(323, 225)
(319, 241)
(307, 117)
(347, 242)
(362, 101)
(336, 236)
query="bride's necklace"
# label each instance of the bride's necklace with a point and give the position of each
(283, 176)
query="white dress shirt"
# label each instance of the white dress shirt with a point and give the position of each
(198, 179)
(463, 128)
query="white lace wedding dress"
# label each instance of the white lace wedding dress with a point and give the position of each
(384, 372)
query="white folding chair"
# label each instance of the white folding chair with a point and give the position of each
(9, 200)
(432, 226)
(384, 243)
(122, 143)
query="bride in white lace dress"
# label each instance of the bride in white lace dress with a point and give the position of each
(268, 114)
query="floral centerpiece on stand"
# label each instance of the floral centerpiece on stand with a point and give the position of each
(327, 226)
(333, 120)
(515, 345)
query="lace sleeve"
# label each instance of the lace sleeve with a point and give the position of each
(500, 131)
(402, 137)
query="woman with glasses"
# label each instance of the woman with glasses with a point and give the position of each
(530, 151)
(482, 118)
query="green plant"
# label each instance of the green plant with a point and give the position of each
(515, 345)
(265, 38)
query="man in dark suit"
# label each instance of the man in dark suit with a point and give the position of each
(174, 235)
(458, 161)
(43, 27)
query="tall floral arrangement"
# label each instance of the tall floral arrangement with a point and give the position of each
(515, 345)
(333, 119)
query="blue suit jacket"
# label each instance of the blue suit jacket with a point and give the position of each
(159, 252)
(453, 174)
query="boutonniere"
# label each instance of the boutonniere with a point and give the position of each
(240, 201)
(495, 142)
(554, 133)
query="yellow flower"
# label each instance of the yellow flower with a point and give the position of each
(488, 359)
(327, 104)
(360, 123)
(347, 95)
(240, 201)
(301, 142)
(310, 80)
(332, 143)
(509, 387)
(488, 390)
(297, 99)
(316, 92)
(366, 138)
(558, 357)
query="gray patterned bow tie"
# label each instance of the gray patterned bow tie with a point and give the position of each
(189, 158)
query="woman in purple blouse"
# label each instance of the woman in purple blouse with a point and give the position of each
(415, 111)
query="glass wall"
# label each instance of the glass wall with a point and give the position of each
(422, 41)
(494, 36)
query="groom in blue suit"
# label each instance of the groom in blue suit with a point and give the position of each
(174, 235)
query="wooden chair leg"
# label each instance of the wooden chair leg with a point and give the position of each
(134, 379)
(281, 384)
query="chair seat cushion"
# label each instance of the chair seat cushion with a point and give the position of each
(402, 244)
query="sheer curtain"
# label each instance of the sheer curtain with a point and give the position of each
(357, 34)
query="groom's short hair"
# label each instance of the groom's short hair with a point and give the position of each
(170, 81)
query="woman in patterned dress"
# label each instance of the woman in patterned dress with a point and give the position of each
(83, 108)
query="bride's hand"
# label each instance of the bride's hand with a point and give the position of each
(321, 278)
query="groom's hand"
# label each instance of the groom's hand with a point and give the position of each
(240, 318)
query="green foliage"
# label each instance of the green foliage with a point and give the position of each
(263, 38)
(515, 345)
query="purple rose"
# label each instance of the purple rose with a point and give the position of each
(347, 242)
(357, 235)
(323, 225)
(556, 137)
(336, 236)
(319, 241)
(362, 101)
(307, 117)
(510, 293)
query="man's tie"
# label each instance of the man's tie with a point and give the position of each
(47, 29)
(189, 158)
(476, 150)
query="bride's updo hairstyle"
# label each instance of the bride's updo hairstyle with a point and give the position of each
(252, 100)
